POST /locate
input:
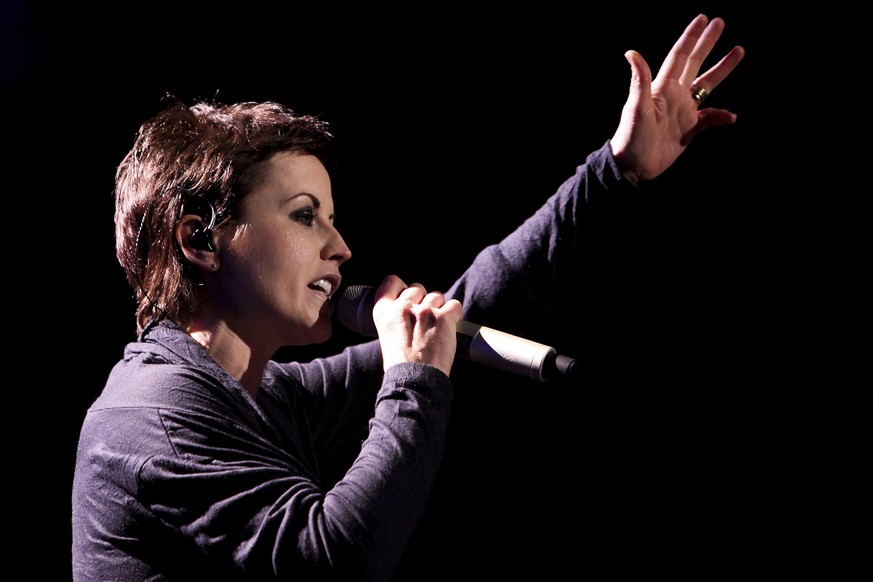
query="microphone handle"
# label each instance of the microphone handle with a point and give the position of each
(511, 353)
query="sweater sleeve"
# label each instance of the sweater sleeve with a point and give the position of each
(369, 510)
(528, 270)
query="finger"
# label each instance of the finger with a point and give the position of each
(701, 50)
(434, 299)
(674, 65)
(709, 117)
(451, 311)
(391, 287)
(641, 78)
(428, 308)
(453, 305)
(717, 73)
(413, 294)
(454, 309)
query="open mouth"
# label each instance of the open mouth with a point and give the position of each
(326, 286)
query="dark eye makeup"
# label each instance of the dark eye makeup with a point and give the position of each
(305, 215)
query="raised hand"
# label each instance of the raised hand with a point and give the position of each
(661, 117)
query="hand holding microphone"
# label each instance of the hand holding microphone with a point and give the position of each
(416, 326)
(475, 342)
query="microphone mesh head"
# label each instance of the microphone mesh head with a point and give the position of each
(355, 309)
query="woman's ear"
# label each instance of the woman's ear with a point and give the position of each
(197, 241)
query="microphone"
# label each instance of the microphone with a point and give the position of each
(476, 343)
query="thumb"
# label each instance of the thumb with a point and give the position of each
(641, 77)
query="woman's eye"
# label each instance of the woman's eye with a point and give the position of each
(304, 215)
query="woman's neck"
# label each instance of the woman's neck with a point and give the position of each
(233, 354)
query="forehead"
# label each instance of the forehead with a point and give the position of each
(288, 177)
(295, 171)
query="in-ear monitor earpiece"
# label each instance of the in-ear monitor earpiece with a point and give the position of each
(201, 238)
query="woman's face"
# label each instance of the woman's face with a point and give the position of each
(280, 266)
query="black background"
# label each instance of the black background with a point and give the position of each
(720, 423)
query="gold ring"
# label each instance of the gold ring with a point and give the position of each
(699, 94)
